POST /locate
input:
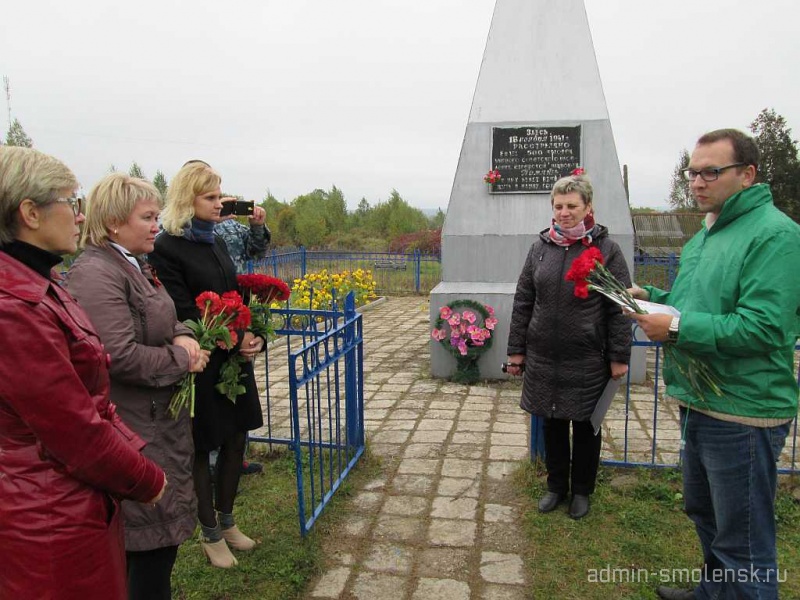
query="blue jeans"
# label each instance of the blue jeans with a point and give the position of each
(729, 486)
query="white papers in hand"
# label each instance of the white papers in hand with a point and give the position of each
(601, 408)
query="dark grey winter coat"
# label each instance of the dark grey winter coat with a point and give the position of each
(568, 342)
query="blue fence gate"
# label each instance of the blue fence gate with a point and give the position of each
(323, 421)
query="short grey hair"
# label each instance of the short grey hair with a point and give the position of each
(27, 174)
(573, 183)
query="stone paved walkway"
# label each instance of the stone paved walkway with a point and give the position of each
(441, 523)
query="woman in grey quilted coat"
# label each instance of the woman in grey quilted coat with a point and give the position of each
(569, 347)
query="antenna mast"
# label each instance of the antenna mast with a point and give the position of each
(7, 87)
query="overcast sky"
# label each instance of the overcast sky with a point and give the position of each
(367, 95)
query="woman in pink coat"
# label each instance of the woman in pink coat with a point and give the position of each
(66, 458)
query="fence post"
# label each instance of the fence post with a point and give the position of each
(350, 390)
(537, 438)
(250, 268)
(302, 261)
(673, 261)
(274, 264)
(417, 262)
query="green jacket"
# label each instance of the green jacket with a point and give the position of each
(738, 290)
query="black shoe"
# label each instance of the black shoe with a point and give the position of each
(248, 468)
(579, 507)
(550, 500)
(668, 593)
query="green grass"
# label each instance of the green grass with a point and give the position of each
(638, 528)
(266, 509)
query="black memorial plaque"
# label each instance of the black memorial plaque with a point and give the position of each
(531, 159)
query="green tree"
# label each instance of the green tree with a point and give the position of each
(16, 136)
(310, 218)
(136, 171)
(437, 221)
(680, 193)
(272, 206)
(358, 218)
(335, 210)
(395, 217)
(779, 165)
(285, 231)
(160, 183)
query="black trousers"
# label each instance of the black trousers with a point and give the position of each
(585, 456)
(149, 573)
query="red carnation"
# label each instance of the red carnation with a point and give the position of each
(584, 264)
(263, 287)
(209, 301)
(243, 317)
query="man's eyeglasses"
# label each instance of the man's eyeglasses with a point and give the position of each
(711, 174)
(75, 202)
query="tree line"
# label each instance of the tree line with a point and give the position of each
(320, 218)
(779, 166)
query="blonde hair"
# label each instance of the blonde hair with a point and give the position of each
(573, 183)
(27, 174)
(111, 203)
(194, 179)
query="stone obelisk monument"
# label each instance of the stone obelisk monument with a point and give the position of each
(538, 112)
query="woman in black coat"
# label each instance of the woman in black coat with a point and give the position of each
(190, 259)
(569, 346)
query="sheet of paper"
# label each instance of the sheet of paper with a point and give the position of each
(650, 307)
(654, 308)
(603, 403)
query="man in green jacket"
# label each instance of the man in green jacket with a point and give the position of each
(738, 293)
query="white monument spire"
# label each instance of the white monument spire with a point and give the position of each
(538, 111)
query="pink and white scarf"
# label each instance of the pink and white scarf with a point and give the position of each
(582, 232)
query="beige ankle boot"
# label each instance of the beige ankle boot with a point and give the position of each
(218, 554)
(237, 540)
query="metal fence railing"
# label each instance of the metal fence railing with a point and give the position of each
(416, 272)
(395, 273)
(322, 420)
(641, 429)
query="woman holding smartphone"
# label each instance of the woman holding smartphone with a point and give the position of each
(190, 259)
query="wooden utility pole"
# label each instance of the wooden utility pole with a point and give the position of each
(625, 182)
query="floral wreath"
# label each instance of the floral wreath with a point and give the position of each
(472, 347)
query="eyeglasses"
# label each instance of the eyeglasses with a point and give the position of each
(710, 174)
(75, 202)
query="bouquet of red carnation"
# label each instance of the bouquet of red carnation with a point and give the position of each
(589, 273)
(492, 177)
(221, 317)
(259, 291)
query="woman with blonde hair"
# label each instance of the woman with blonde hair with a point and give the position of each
(67, 457)
(150, 351)
(190, 259)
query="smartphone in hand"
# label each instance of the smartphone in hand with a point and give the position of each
(240, 208)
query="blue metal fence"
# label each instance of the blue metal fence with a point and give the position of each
(326, 401)
(390, 268)
(654, 432)
(394, 272)
(418, 272)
